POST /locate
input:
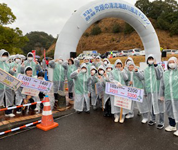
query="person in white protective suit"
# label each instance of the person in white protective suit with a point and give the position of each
(6, 94)
(105, 62)
(107, 100)
(93, 79)
(136, 82)
(81, 90)
(119, 77)
(30, 62)
(98, 62)
(152, 76)
(169, 94)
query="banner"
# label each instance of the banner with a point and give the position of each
(40, 85)
(34, 55)
(131, 93)
(122, 102)
(31, 92)
(9, 81)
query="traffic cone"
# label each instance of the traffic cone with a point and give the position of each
(47, 121)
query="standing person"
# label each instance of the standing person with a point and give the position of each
(137, 82)
(30, 62)
(6, 94)
(152, 75)
(107, 100)
(119, 77)
(17, 64)
(97, 62)
(88, 64)
(58, 75)
(92, 82)
(105, 62)
(168, 93)
(81, 84)
(71, 67)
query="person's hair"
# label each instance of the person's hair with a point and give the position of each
(40, 74)
(30, 55)
(5, 54)
(28, 69)
(71, 61)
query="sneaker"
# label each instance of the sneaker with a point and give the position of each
(79, 112)
(122, 120)
(88, 112)
(10, 115)
(151, 123)
(36, 109)
(170, 128)
(18, 112)
(116, 119)
(144, 120)
(129, 116)
(160, 126)
(176, 133)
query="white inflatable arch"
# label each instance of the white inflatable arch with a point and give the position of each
(87, 15)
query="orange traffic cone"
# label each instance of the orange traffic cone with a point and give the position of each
(47, 121)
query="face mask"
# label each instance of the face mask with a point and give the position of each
(150, 62)
(4, 59)
(172, 65)
(93, 71)
(105, 62)
(101, 72)
(83, 70)
(109, 70)
(18, 60)
(60, 61)
(30, 58)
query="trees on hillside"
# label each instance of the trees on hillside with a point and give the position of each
(10, 39)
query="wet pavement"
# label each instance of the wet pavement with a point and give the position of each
(93, 132)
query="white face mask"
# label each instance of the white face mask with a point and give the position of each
(4, 59)
(18, 61)
(172, 65)
(93, 72)
(60, 61)
(109, 70)
(105, 62)
(30, 58)
(150, 62)
(101, 72)
(83, 70)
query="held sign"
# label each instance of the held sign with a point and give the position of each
(31, 92)
(9, 81)
(36, 84)
(131, 93)
(122, 102)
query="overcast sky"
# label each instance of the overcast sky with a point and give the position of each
(44, 15)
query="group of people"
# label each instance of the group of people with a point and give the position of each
(160, 89)
(160, 86)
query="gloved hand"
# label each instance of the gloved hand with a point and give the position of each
(119, 84)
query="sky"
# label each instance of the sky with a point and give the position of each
(44, 15)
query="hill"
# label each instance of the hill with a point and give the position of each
(107, 40)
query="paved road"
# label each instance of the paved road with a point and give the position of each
(93, 132)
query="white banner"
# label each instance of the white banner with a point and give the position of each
(9, 81)
(31, 92)
(122, 102)
(131, 93)
(40, 85)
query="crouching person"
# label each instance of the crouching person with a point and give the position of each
(28, 98)
(81, 91)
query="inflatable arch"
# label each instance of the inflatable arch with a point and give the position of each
(96, 10)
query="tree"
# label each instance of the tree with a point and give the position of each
(38, 41)
(116, 28)
(10, 39)
(96, 30)
(7, 17)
